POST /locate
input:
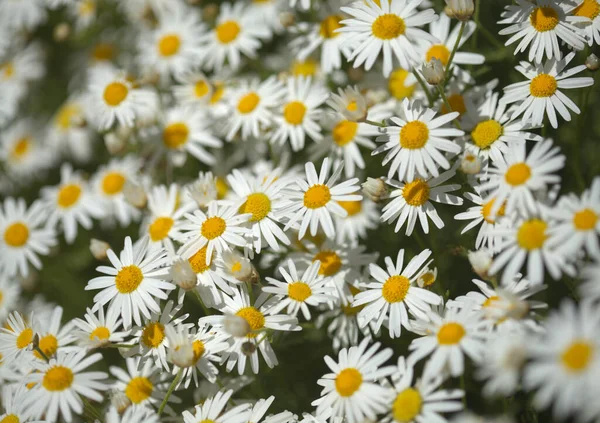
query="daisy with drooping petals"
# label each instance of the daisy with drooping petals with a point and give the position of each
(413, 200)
(23, 237)
(69, 131)
(16, 337)
(315, 198)
(390, 25)
(362, 217)
(540, 25)
(133, 284)
(59, 385)
(392, 294)
(52, 338)
(541, 94)
(212, 410)
(417, 142)
(97, 331)
(352, 387)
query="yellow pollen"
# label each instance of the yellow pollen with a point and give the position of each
(227, 32)
(103, 52)
(48, 345)
(24, 338)
(348, 381)
(344, 132)
(16, 235)
(588, 9)
(330, 262)
(21, 147)
(11, 418)
(407, 405)
(299, 291)
(258, 204)
(153, 334)
(217, 93)
(388, 26)
(198, 347)
(428, 278)
(397, 87)
(544, 19)
(213, 227)
(395, 289)
(532, 234)
(306, 68)
(450, 334)
(128, 279)
(490, 301)
(352, 207)
(113, 183)
(329, 25)
(457, 103)
(518, 174)
(486, 211)
(159, 229)
(352, 106)
(543, 85)
(294, 112)
(68, 195)
(57, 378)
(414, 135)
(201, 88)
(254, 318)
(237, 266)
(577, 356)
(101, 333)
(486, 133)
(248, 103)
(139, 389)
(115, 93)
(416, 193)
(169, 45)
(198, 261)
(65, 116)
(317, 196)
(175, 135)
(585, 220)
(440, 52)
(8, 70)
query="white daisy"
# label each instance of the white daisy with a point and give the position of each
(132, 415)
(69, 131)
(23, 153)
(590, 286)
(212, 410)
(589, 9)
(194, 89)
(260, 408)
(16, 337)
(52, 337)
(15, 406)
(10, 293)
(97, 331)
(23, 15)
(362, 216)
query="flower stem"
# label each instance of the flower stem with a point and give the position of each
(163, 404)
(424, 87)
(204, 308)
(448, 106)
(128, 346)
(476, 19)
(40, 352)
(454, 49)
(370, 122)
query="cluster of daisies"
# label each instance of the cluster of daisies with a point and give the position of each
(235, 138)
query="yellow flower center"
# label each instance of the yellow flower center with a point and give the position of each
(65, 116)
(352, 207)
(490, 301)
(457, 103)
(16, 235)
(486, 211)
(213, 227)
(585, 220)
(588, 9)
(113, 183)
(169, 45)
(139, 389)
(198, 261)
(68, 195)
(8, 70)
(532, 234)
(416, 193)
(201, 88)
(103, 52)
(159, 229)
(175, 135)
(352, 106)
(317, 196)
(344, 132)
(254, 318)
(518, 174)
(128, 279)
(348, 381)
(577, 356)
(486, 133)
(306, 68)
(101, 333)
(24, 338)
(11, 418)
(544, 19)
(440, 52)
(395, 289)
(222, 188)
(236, 267)
(227, 32)
(258, 204)
(198, 347)
(153, 334)
(248, 103)
(543, 85)
(115, 93)
(294, 112)
(329, 25)
(450, 334)
(48, 345)
(21, 147)
(299, 291)
(407, 405)
(388, 26)
(428, 278)
(414, 135)
(217, 93)
(397, 87)
(330, 262)
(58, 378)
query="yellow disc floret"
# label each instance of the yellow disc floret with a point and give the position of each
(486, 133)
(348, 381)
(248, 103)
(258, 204)
(175, 135)
(153, 334)
(544, 19)
(414, 135)
(227, 31)
(113, 183)
(388, 26)
(416, 193)
(344, 132)
(115, 93)
(532, 234)
(213, 227)
(57, 378)
(395, 288)
(517, 174)
(450, 333)
(169, 45)
(299, 291)
(16, 234)
(577, 356)
(407, 405)
(68, 195)
(317, 196)
(543, 85)
(294, 112)
(329, 25)
(585, 220)
(128, 279)
(139, 389)
(330, 262)
(159, 229)
(588, 9)
(440, 52)
(198, 261)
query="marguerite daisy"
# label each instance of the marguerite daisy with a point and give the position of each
(212, 410)
(97, 331)
(16, 337)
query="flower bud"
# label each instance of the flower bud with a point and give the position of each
(99, 248)
(433, 71)
(183, 275)
(376, 189)
(480, 260)
(119, 400)
(350, 103)
(592, 62)
(182, 355)
(470, 163)
(61, 32)
(203, 190)
(237, 266)
(236, 325)
(460, 9)
(114, 143)
(134, 194)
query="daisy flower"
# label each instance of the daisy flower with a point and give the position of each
(52, 337)
(421, 401)
(212, 410)
(15, 406)
(541, 94)
(352, 387)
(416, 142)
(413, 200)
(23, 15)
(540, 25)
(23, 153)
(132, 415)
(60, 383)
(23, 237)
(590, 286)
(260, 408)
(589, 9)
(71, 202)
(297, 293)
(447, 337)
(236, 32)
(269, 12)
(362, 216)
(10, 293)
(133, 283)
(69, 132)
(16, 337)
(194, 89)
(299, 113)
(392, 294)
(98, 330)
(315, 198)
(390, 25)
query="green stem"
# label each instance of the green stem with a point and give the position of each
(462, 386)
(370, 122)
(487, 34)
(448, 106)
(454, 49)
(91, 410)
(424, 87)
(476, 19)
(204, 308)
(163, 404)
(40, 352)
(128, 346)
(577, 168)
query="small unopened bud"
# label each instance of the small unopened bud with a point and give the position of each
(204, 190)
(114, 143)
(99, 248)
(433, 71)
(61, 32)
(480, 260)
(287, 19)
(183, 275)
(592, 62)
(135, 194)
(460, 9)
(237, 266)
(236, 325)
(350, 103)
(376, 189)
(182, 355)
(248, 348)
(119, 400)
(470, 163)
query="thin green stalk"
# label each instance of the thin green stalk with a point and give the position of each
(163, 404)
(577, 167)
(487, 34)
(454, 49)
(462, 386)
(204, 308)
(370, 122)
(448, 106)
(91, 410)
(424, 86)
(476, 19)
(40, 352)
(128, 346)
